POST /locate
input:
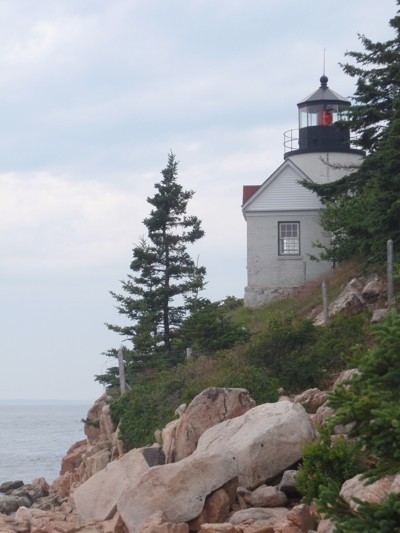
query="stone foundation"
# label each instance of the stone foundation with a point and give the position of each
(257, 296)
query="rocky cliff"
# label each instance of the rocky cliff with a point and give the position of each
(224, 465)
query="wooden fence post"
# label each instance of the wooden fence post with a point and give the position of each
(325, 301)
(389, 246)
(121, 366)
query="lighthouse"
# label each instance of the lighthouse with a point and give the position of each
(282, 216)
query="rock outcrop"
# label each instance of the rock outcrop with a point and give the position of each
(91, 455)
(97, 498)
(265, 441)
(359, 293)
(179, 490)
(17, 494)
(250, 449)
(231, 468)
(372, 493)
(210, 407)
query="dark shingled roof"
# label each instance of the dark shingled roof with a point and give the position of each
(324, 95)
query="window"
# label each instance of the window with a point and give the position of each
(289, 238)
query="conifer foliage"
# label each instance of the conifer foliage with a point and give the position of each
(370, 402)
(377, 74)
(163, 276)
(362, 209)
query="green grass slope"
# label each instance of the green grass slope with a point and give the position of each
(283, 348)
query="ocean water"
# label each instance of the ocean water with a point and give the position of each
(35, 436)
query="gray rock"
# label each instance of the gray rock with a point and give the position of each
(8, 486)
(373, 289)
(10, 504)
(311, 399)
(378, 315)
(154, 455)
(288, 482)
(33, 492)
(266, 496)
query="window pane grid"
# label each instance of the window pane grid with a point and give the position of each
(289, 238)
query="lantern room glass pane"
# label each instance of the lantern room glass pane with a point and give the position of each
(320, 115)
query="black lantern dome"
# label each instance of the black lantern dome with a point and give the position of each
(319, 114)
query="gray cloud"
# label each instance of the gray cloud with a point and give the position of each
(94, 94)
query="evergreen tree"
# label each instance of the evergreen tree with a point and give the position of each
(361, 210)
(377, 74)
(163, 276)
(370, 403)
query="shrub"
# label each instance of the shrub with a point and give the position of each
(210, 327)
(229, 373)
(335, 342)
(325, 461)
(282, 347)
(301, 355)
(148, 406)
(151, 403)
(371, 402)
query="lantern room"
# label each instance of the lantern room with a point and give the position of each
(322, 126)
(324, 107)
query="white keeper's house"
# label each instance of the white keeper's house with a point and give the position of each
(281, 215)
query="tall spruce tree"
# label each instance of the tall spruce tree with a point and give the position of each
(377, 74)
(361, 210)
(163, 277)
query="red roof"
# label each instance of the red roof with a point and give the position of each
(248, 191)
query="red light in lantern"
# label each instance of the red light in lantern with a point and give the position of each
(324, 117)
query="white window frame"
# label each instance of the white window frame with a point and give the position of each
(288, 238)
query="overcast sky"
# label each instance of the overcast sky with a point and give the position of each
(93, 96)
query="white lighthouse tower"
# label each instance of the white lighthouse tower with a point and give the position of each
(282, 216)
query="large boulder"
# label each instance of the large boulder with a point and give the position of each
(208, 408)
(269, 517)
(266, 496)
(97, 497)
(265, 441)
(157, 524)
(22, 495)
(217, 506)
(8, 486)
(87, 457)
(373, 289)
(225, 527)
(179, 490)
(92, 426)
(73, 458)
(350, 301)
(9, 504)
(311, 399)
(375, 492)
